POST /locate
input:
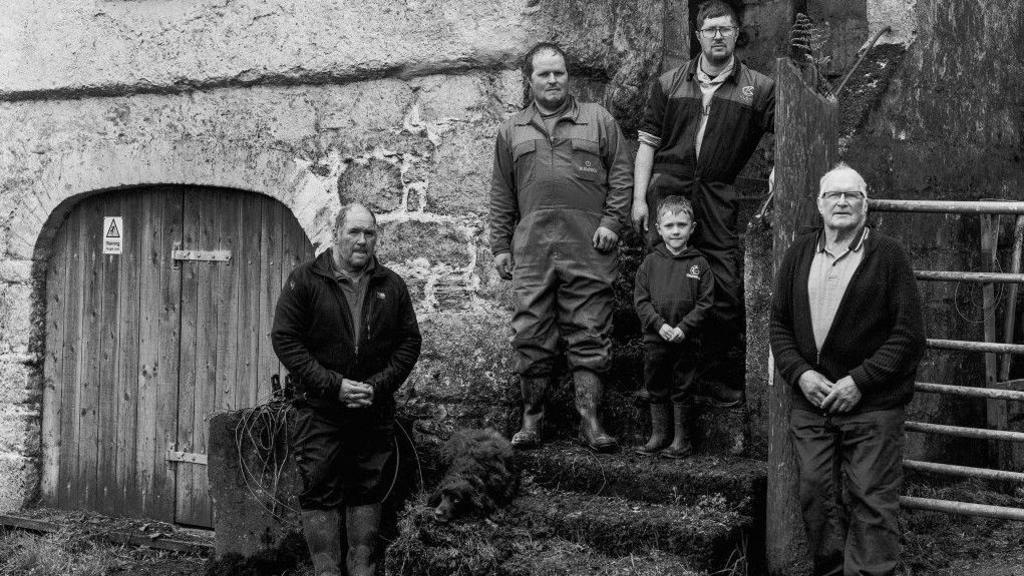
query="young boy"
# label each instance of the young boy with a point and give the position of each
(674, 293)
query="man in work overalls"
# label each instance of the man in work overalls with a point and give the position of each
(560, 195)
(701, 124)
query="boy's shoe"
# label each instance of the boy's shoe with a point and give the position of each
(680, 447)
(660, 418)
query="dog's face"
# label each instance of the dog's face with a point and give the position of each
(452, 499)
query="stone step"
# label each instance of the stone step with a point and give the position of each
(512, 542)
(708, 535)
(568, 466)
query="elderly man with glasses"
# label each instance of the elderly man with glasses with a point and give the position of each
(847, 336)
(701, 124)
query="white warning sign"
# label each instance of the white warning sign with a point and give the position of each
(113, 234)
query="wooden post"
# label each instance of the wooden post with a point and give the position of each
(806, 146)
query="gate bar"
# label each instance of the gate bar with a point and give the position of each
(972, 346)
(993, 393)
(947, 206)
(965, 508)
(954, 470)
(959, 276)
(964, 432)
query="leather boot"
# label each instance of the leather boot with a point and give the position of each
(680, 447)
(322, 530)
(589, 392)
(535, 392)
(659, 430)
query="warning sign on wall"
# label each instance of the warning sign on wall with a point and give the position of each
(113, 235)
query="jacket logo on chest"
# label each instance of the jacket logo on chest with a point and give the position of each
(748, 93)
(694, 272)
(381, 296)
(586, 167)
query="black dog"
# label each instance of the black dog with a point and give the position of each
(482, 474)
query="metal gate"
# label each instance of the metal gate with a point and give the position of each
(998, 390)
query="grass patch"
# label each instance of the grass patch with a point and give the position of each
(69, 553)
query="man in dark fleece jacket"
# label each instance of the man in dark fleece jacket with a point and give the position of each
(346, 331)
(673, 294)
(846, 333)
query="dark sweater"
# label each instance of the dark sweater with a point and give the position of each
(678, 290)
(877, 337)
(313, 332)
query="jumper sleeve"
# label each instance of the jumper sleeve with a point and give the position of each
(788, 360)
(653, 116)
(650, 320)
(694, 319)
(767, 115)
(292, 316)
(620, 175)
(899, 355)
(504, 207)
(407, 348)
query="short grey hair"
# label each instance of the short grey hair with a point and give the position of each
(339, 221)
(842, 167)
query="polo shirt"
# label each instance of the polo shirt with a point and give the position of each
(828, 279)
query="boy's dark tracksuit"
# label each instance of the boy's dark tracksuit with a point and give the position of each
(677, 290)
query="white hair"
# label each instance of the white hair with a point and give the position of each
(842, 167)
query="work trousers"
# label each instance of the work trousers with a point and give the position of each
(715, 211)
(669, 370)
(341, 454)
(851, 471)
(558, 297)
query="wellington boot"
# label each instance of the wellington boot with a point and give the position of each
(322, 530)
(680, 447)
(589, 391)
(535, 392)
(660, 416)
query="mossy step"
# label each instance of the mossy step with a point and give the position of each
(569, 466)
(708, 535)
(503, 546)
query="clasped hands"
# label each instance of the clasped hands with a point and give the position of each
(671, 333)
(355, 394)
(833, 397)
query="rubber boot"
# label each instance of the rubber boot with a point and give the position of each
(589, 392)
(363, 527)
(680, 447)
(322, 530)
(535, 392)
(660, 414)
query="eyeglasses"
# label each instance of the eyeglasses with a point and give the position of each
(725, 31)
(851, 195)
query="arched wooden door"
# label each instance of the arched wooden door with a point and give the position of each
(144, 342)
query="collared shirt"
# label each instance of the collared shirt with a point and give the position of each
(829, 276)
(708, 87)
(354, 286)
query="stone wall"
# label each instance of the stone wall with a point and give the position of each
(394, 104)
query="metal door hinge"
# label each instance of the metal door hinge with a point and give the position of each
(178, 255)
(190, 457)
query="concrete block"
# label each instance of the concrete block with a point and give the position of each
(438, 242)
(374, 183)
(251, 513)
(19, 430)
(15, 271)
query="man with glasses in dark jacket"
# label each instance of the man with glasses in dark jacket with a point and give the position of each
(346, 331)
(701, 124)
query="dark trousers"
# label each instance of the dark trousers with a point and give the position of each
(851, 471)
(669, 370)
(341, 455)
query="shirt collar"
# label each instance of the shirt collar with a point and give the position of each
(855, 245)
(722, 76)
(531, 113)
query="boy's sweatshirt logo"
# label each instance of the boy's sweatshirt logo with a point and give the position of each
(694, 272)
